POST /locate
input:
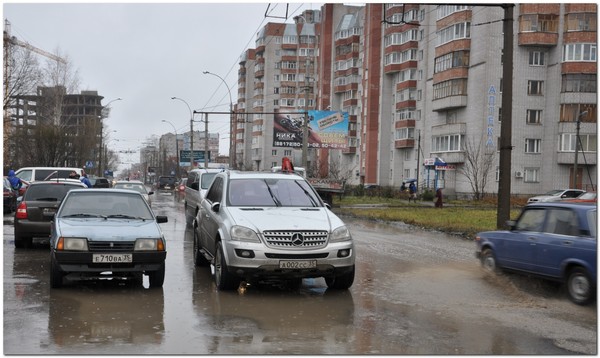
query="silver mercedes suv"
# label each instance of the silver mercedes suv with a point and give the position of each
(257, 226)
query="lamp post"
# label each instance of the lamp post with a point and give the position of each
(176, 145)
(191, 132)
(101, 135)
(577, 148)
(232, 161)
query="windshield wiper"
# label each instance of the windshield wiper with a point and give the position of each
(275, 200)
(312, 200)
(84, 215)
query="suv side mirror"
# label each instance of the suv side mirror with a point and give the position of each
(215, 207)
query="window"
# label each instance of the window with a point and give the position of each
(454, 32)
(582, 22)
(588, 142)
(531, 175)
(400, 38)
(405, 133)
(535, 88)
(570, 112)
(276, 90)
(445, 10)
(538, 23)
(406, 95)
(451, 60)
(287, 152)
(533, 145)
(273, 164)
(455, 87)
(536, 58)
(447, 143)
(579, 52)
(534, 116)
(579, 82)
(274, 152)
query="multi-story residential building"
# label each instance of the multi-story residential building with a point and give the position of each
(55, 128)
(422, 85)
(167, 149)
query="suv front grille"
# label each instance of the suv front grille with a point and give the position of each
(295, 239)
(111, 246)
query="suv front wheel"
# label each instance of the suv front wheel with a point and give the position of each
(223, 278)
(341, 282)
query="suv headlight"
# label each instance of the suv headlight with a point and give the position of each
(341, 234)
(242, 233)
(72, 244)
(149, 245)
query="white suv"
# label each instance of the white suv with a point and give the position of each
(196, 186)
(258, 226)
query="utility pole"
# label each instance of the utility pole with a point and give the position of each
(575, 186)
(506, 126)
(205, 140)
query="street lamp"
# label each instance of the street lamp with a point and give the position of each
(176, 144)
(191, 133)
(232, 161)
(101, 135)
(577, 147)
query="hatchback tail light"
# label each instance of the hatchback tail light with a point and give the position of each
(21, 211)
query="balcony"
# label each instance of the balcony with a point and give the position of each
(450, 102)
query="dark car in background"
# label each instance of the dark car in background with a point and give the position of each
(166, 184)
(100, 182)
(10, 197)
(553, 240)
(37, 208)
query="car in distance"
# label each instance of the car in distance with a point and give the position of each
(10, 197)
(195, 189)
(37, 207)
(556, 241)
(257, 226)
(100, 182)
(135, 185)
(166, 184)
(106, 233)
(556, 195)
(181, 185)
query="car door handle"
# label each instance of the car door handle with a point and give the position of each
(531, 238)
(568, 242)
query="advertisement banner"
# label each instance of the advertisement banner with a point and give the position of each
(326, 130)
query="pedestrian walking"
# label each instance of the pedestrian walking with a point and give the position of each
(412, 188)
(439, 201)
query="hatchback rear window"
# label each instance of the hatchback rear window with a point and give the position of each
(48, 192)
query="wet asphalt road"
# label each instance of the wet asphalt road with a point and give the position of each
(416, 292)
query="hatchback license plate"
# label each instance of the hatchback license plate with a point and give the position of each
(112, 258)
(297, 264)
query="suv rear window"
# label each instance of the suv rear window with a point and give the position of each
(41, 174)
(48, 192)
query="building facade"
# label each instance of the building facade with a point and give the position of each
(423, 88)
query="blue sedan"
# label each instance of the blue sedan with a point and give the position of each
(556, 241)
(106, 233)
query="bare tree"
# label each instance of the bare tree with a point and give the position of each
(479, 163)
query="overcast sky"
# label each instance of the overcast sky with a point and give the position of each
(146, 53)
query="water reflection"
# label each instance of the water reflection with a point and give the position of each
(106, 314)
(268, 319)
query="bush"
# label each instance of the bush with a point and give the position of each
(427, 195)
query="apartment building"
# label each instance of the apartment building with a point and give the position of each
(422, 85)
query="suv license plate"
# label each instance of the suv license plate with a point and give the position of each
(297, 264)
(112, 258)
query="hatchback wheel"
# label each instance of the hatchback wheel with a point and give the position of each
(157, 278)
(223, 279)
(56, 275)
(579, 286)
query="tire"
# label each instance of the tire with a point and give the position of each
(157, 278)
(223, 278)
(488, 261)
(341, 282)
(579, 286)
(23, 242)
(199, 259)
(56, 275)
(188, 219)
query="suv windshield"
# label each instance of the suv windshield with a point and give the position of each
(271, 192)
